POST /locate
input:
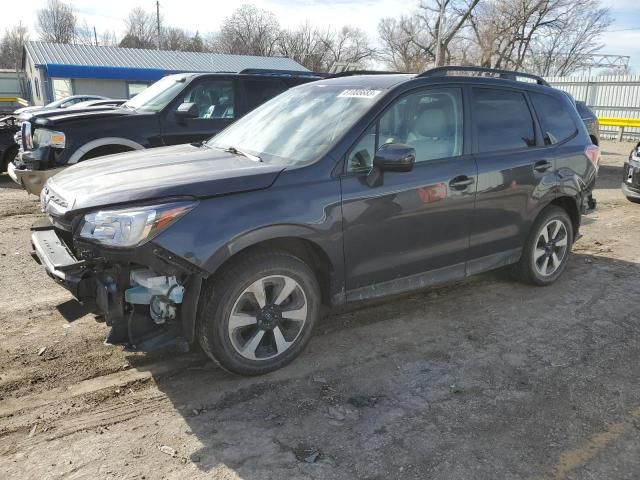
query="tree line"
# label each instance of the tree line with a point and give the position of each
(547, 37)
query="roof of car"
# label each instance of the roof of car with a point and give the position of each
(383, 81)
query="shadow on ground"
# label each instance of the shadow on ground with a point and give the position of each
(485, 379)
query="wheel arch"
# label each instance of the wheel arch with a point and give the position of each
(569, 205)
(103, 142)
(307, 250)
(300, 246)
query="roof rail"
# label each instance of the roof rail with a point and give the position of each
(349, 73)
(507, 74)
(269, 71)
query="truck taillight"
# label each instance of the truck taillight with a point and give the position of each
(593, 153)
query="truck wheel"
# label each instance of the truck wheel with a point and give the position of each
(9, 156)
(546, 252)
(259, 313)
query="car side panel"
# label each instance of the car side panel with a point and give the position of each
(294, 206)
(510, 195)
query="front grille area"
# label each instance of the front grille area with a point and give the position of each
(55, 207)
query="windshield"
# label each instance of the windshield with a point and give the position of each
(156, 96)
(299, 125)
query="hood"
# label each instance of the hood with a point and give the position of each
(22, 110)
(183, 170)
(57, 116)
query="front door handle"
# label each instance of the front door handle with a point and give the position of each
(461, 182)
(542, 166)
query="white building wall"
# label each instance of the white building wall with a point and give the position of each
(107, 88)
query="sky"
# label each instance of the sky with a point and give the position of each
(207, 15)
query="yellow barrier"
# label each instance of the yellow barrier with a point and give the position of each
(620, 122)
(18, 100)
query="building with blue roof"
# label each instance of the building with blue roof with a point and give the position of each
(56, 70)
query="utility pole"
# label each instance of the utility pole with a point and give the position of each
(95, 35)
(158, 21)
(439, 36)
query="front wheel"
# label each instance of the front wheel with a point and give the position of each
(546, 252)
(259, 313)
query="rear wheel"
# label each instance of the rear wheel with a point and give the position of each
(546, 252)
(259, 314)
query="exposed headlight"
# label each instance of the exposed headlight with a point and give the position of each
(49, 138)
(131, 226)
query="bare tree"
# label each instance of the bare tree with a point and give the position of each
(443, 20)
(108, 39)
(248, 31)
(174, 39)
(85, 34)
(57, 22)
(304, 46)
(400, 40)
(426, 36)
(568, 43)
(550, 37)
(348, 44)
(141, 30)
(11, 46)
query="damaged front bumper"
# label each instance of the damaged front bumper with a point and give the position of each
(145, 308)
(31, 180)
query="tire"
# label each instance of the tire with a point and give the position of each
(532, 267)
(231, 319)
(9, 157)
(633, 199)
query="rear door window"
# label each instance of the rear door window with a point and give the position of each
(259, 91)
(556, 122)
(503, 120)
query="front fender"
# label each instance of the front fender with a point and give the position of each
(101, 142)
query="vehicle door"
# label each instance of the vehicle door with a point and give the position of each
(412, 229)
(216, 102)
(515, 175)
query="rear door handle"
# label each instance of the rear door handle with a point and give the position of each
(461, 182)
(542, 166)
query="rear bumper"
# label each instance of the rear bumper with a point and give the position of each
(31, 180)
(629, 192)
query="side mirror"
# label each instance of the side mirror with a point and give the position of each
(391, 157)
(187, 110)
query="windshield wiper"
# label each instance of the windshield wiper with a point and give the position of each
(237, 151)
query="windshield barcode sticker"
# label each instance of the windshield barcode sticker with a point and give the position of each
(359, 93)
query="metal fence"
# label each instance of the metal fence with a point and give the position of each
(608, 96)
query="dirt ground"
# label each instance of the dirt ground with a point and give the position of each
(487, 379)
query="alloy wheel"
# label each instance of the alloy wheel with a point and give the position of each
(267, 317)
(551, 248)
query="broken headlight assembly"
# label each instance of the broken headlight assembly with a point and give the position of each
(132, 226)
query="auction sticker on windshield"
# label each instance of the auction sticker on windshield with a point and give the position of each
(359, 93)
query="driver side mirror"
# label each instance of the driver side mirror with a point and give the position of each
(187, 110)
(391, 157)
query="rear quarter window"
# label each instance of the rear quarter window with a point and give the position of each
(556, 121)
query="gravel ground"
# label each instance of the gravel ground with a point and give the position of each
(485, 379)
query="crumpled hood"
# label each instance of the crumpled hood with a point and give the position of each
(158, 173)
